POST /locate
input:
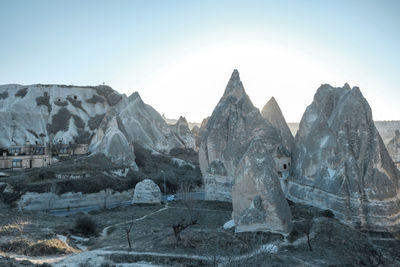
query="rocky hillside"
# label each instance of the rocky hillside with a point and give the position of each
(341, 163)
(95, 115)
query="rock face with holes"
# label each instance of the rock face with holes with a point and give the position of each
(85, 115)
(52, 113)
(257, 199)
(236, 159)
(229, 132)
(393, 147)
(146, 191)
(183, 133)
(339, 162)
(272, 113)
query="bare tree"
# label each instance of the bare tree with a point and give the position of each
(184, 223)
(309, 223)
(128, 230)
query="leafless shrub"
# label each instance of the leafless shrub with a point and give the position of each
(127, 231)
(192, 219)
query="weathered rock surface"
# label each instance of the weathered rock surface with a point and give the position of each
(339, 162)
(393, 147)
(199, 131)
(234, 123)
(272, 113)
(52, 113)
(257, 198)
(115, 146)
(143, 124)
(49, 201)
(146, 191)
(183, 133)
(81, 114)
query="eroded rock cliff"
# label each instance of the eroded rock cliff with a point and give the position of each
(339, 161)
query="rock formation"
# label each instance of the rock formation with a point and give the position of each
(115, 146)
(229, 132)
(339, 162)
(237, 151)
(183, 133)
(82, 114)
(257, 199)
(52, 113)
(272, 113)
(148, 192)
(199, 131)
(393, 147)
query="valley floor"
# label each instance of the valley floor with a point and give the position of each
(205, 244)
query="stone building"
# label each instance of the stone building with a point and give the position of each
(36, 156)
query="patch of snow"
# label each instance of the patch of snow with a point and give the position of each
(331, 173)
(62, 238)
(78, 238)
(121, 172)
(71, 176)
(181, 163)
(229, 224)
(269, 248)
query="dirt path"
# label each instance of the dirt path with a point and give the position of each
(105, 230)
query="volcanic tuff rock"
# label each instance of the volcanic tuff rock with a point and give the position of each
(272, 113)
(51, 113)
(146, 191)
(81, 114)
(234, 123)
(339, 162)
(199, 131)
(183, 133)
(115, 146)
(257, 199)
(393, 147)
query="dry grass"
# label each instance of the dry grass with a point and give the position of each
(17, 225)
(32, 247)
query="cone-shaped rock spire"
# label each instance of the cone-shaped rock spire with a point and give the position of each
(339, 162)
(228, 143)
(272, 113)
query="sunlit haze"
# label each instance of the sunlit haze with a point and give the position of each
(179, 55)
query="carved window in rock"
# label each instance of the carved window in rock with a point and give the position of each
(17, 163)
(38, 151)
(63, 150)
(284, 166)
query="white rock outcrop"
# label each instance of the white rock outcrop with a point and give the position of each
(229, 131)
(257, 198)
(82, 114)
(272, 113)
(148, 192)
(339, 162)
(183, 133)
(51, 201)
(237, 164)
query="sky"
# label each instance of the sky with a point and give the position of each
(179, 55)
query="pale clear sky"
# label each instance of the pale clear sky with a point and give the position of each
(179, 54)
